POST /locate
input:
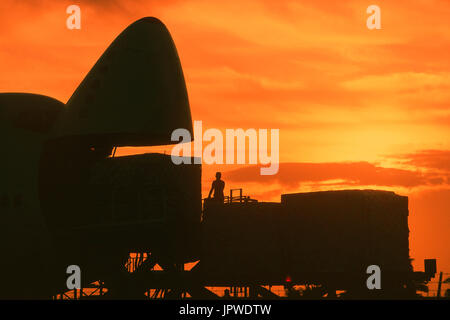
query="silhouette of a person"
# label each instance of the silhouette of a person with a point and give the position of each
(218, 186)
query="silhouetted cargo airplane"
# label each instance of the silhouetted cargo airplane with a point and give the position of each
(63, 202)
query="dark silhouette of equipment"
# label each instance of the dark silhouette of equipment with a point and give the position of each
(65, 199)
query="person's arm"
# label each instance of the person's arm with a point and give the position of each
(210, 191)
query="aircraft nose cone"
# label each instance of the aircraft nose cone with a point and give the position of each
(134, 95)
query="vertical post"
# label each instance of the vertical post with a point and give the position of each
(112, 206)
(439, 285)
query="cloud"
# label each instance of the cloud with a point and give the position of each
(405, 81)
(346, 173)
(428, 159)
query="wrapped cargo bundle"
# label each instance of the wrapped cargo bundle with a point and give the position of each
(242, 241)
(346, 231)
(146, 187)
(141, 203)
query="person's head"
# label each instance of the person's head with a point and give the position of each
(218, 175)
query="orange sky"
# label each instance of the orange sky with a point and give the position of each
(356, 108)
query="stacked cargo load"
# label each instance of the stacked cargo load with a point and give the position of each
(139, 203)
(243, 241)
(145, 187)
(346, 231)
(328, 237)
